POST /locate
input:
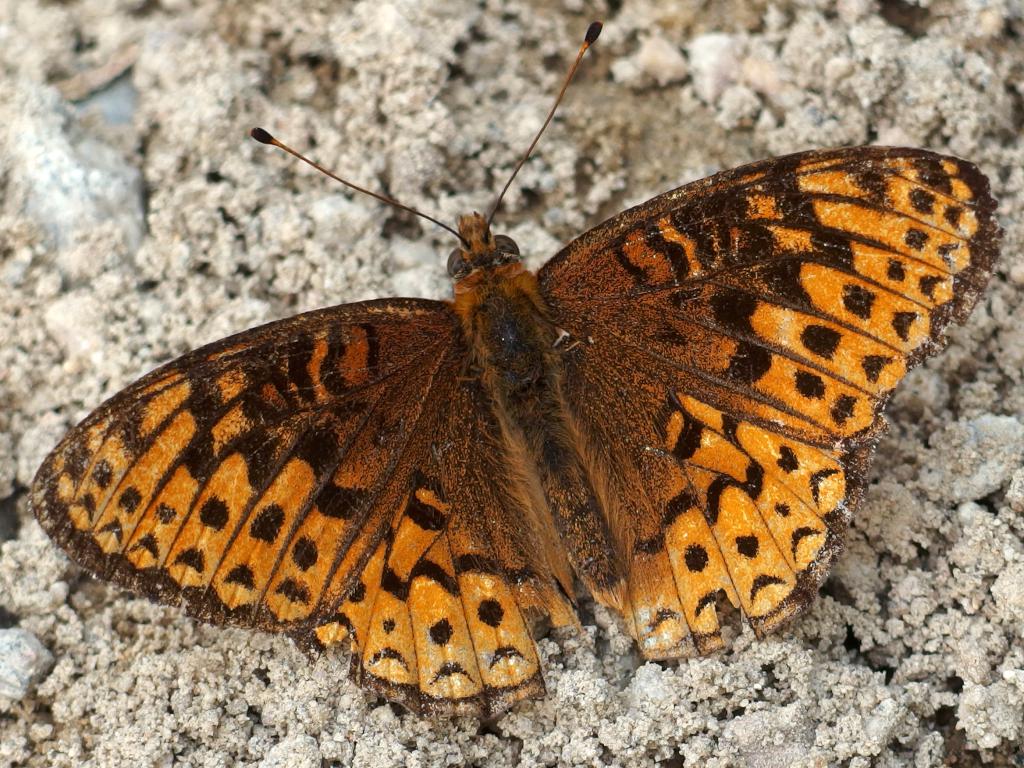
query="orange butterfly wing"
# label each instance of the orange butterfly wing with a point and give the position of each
(730, 347)
(234, 477)
(442, 613)
(331, 476)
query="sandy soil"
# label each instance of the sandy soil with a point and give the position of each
(137, 221)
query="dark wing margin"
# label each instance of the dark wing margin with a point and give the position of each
(731, 345)
(935, 189)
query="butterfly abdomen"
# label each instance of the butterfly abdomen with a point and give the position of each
(515, 355)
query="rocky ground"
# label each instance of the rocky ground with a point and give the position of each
(137, 221)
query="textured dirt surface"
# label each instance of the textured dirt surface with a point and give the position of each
(137, 221)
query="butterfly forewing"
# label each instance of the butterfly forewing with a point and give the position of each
(731, 344)
(236, 476)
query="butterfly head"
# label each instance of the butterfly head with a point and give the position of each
(480, 248)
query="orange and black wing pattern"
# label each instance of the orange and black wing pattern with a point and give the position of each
(729, 347)
(440, 617)
(332, 476)
(237, 479)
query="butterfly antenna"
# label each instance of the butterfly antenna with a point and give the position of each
(264, 137)
(588, 40)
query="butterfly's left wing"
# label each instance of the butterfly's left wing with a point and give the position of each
(729, 348)
(334, 476)
(234, 478)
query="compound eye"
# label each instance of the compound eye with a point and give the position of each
(506, 244)
(456, 264)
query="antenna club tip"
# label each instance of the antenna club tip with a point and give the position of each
(593, 31)
(262, 136)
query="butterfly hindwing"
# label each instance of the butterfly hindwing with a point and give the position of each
(729, 348)
(440, 616)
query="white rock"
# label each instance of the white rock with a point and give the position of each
(970, 459)
(1015, 493)
(1008, 591)
(738, 106)
(7, 465)
(989, 714)
(661, 60)
(714, 63)
(69, 181)
(23, 660)
(75, 322)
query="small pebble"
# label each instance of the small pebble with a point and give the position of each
(23, 660)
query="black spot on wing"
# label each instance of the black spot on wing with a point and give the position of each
(490, 612)
(293, 591)
(304, 553)
(450, 668)
(915, 238)
(922, 200)
(505, 652)
(762, 581)
(747, 546)
(901, 322)
(709, 599)
(696, 558)
(858, 300)
(102, 474)
(267, 523)
(842, 409)
(817, 479)
(193, 558)
(241, 575)
(130, 498)
(873, 365)
(748, 363)
(787, 460)
(441, 632)
(214, 513)
(358, 593)
(895, 271)
(799, 535)
(821, 340)
(387, 653)
(148, 543)
(113, 527)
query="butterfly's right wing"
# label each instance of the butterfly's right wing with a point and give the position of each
(728, 349)
(234, 478)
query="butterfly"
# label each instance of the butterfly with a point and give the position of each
(677, 410)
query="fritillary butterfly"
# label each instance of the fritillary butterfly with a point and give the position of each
(677, 409)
